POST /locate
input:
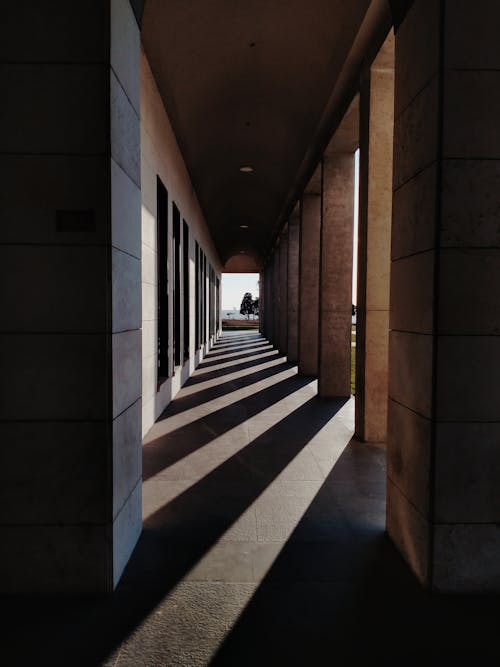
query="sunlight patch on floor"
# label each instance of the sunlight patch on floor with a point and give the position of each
(188, 471)
(181, 419)
(275, 515)
(228, 377)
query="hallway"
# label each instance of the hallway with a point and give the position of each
(263, 542)
(236, 498)
(237, 493)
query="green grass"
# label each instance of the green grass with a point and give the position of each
(240, 327)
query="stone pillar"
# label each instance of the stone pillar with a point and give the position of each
(335, 293)
(70, 242)
(375, 212)
(276, 296)
(262, 302)
(309, 276)
(283, 296)
(443, 508)
(268, 300)
(293, 285)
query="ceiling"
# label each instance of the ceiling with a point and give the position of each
(246, 84)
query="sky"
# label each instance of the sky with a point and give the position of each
(234, 286)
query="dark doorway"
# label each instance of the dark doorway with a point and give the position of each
(185, 293)
(162, 267)
(177, 284)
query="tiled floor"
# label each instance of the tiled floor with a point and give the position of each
(263, 543)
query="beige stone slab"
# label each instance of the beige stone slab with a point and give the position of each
(277, 519)
(125, 41)
(127, 359)
(410, 370)
(467, 378)
(469, 291)
(189, 624)
(126, 291)
(335, 354)
(148, 413)
(467, 470)
(149, 302)
(127, 527)
(125, 212)
(376, 375)
(59, 34)
(471, 108)
(470, 203)
(149, 376)
(337, 231)
(54, 182)
(409, 531)
(380, 181)
(408, 454)
(127, 454)
(54, 472)
(412, 293)
(283, 300)
(466, 558)
(293, 287)
(416, 135)
(125, 131)
(416, 63)
(202, 461)
(334, 362)
(471, 35)
(309, 284)
(51, 560)
(157, 493)
(303, 468)
(149, 338)
(149, 162)
(62, 95)
(148, 225)
(48, 278)
(225, 561)
(414, 214)
(53, 377)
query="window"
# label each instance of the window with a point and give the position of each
(197, 294)
(217, 304)
(204, 299)
(211, 301)
(162, 294)
(176, 223)
(185, 266)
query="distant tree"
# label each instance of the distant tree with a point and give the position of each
(246, 307)
(353, 310)
(256, 306)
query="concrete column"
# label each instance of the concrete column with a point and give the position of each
(283, 297)
(309, 276)
(293, 285)
(375, 212)
(70, 241)
(262, 302)
(268, 301)
(335, 294)
(276, 296)
(443, 507)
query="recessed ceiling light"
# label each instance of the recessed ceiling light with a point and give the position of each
(244, 226)
(242, 252)
(246, 169)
